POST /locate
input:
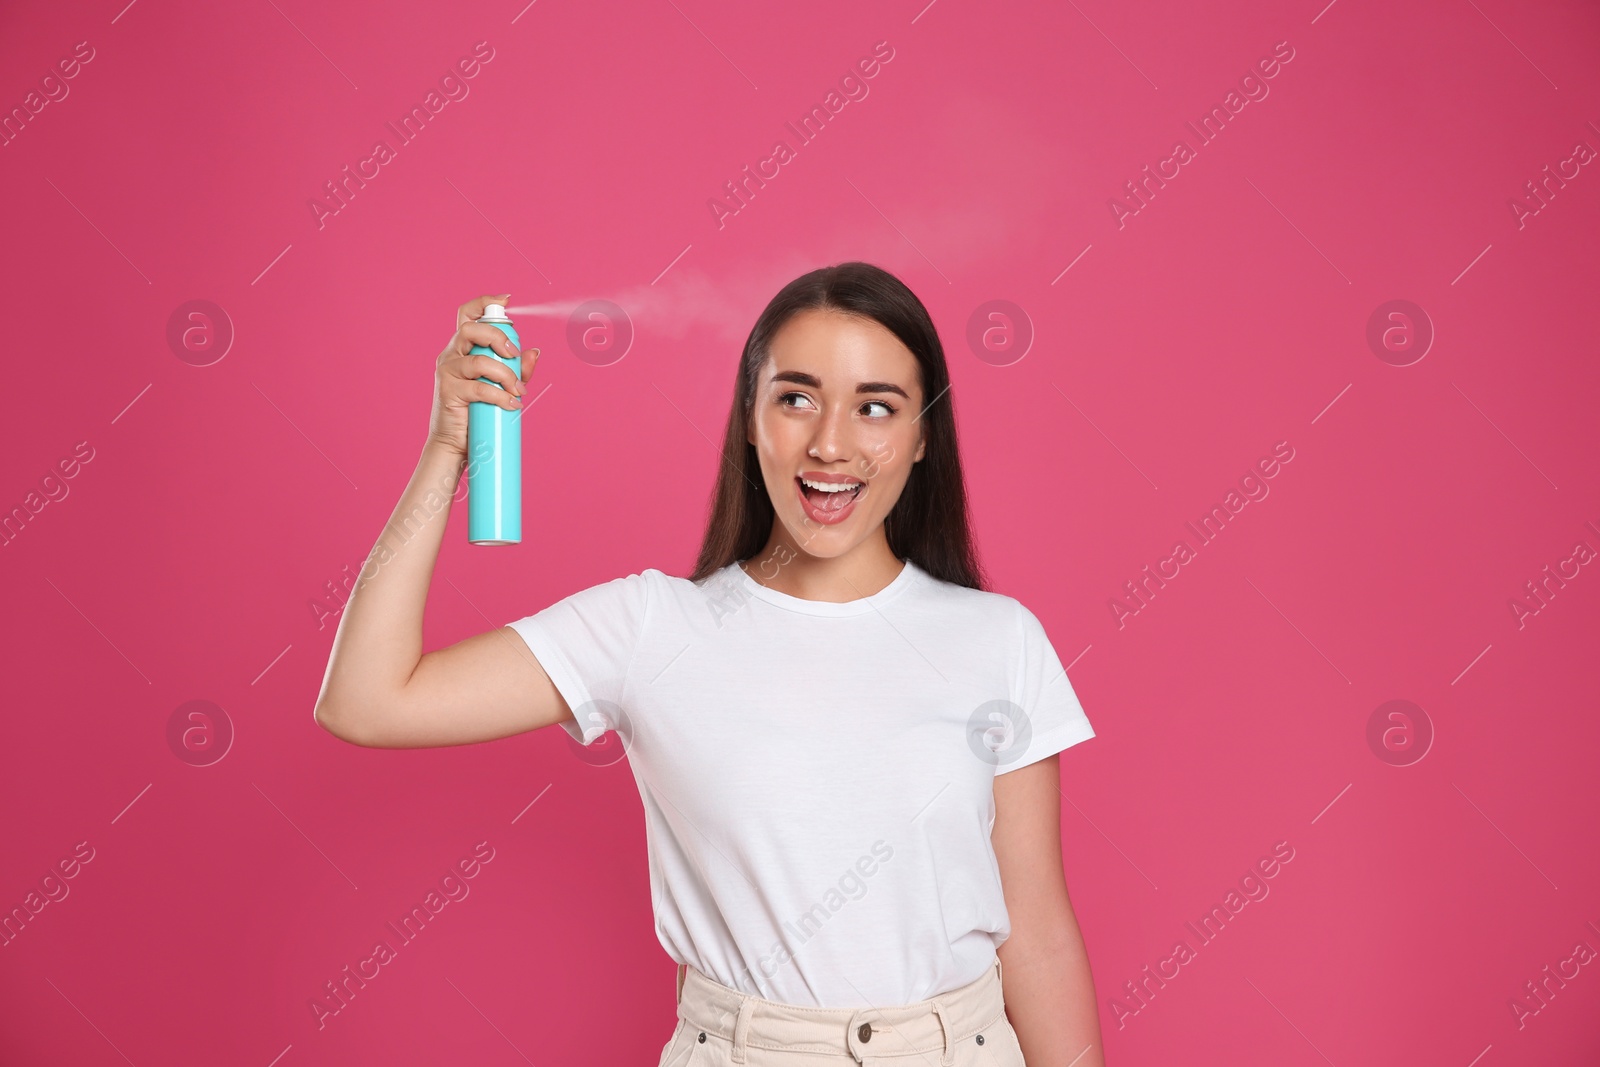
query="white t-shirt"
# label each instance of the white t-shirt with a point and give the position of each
(817, 778)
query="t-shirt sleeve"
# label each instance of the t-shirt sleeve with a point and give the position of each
(1053, 717)
(586, 645)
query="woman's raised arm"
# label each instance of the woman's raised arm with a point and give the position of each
(380, 689)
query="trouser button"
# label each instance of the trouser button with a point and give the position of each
(864, 1031)
(702, 1037)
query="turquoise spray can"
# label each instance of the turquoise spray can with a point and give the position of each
(494, 453)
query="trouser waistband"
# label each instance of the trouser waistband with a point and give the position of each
(937, 1024)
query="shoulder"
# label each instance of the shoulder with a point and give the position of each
(996, 612)
(990, 619)
(641, 588)
(672, 593)
(646, 579)
(667, 586)
(630, 594)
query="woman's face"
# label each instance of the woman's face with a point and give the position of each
(838, 402)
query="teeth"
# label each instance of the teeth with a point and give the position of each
(831, 487)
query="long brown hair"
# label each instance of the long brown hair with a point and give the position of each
(928, 524)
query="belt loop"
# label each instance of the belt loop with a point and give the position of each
(741, 1027)
(946, 1058)
(681, 972)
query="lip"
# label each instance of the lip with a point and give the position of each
(824, 476)
(827, 518)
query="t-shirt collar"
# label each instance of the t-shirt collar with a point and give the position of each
(909, 573)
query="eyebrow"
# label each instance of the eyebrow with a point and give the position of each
(800, 377)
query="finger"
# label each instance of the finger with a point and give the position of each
(481, 366)
(473, 309)
(530, 356)
(481, 333)
(485, 393)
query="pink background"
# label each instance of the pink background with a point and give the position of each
(1227, 315)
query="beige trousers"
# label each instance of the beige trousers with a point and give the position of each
(722, 1027)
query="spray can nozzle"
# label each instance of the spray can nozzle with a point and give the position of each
(494, 313)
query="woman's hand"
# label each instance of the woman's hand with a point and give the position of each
(456, 378)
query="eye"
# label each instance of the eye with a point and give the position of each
(783, 399)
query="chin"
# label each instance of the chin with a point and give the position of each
(826, 542)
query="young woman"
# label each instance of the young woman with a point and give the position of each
(845, 746)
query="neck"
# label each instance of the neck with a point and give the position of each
(861, 571)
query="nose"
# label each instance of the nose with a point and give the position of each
(831, 442)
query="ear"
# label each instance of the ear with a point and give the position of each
(922, 444)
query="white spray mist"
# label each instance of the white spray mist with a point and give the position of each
(687, 299)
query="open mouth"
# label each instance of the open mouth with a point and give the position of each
(828, 502)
